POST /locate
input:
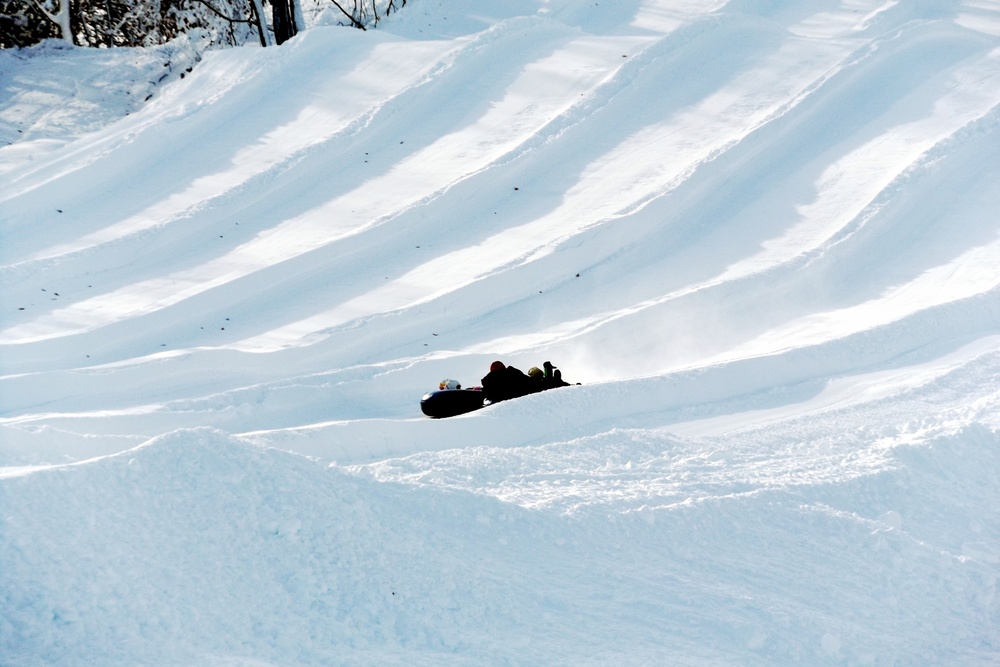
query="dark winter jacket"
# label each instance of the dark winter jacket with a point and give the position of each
(505, 383)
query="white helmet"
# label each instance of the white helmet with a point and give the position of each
(449, 384)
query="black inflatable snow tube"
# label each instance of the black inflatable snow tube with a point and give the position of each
(451, 402)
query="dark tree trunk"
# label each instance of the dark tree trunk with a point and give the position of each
(283, 20)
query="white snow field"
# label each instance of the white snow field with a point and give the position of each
(764, 236)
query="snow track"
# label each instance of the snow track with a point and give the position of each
(762, 235)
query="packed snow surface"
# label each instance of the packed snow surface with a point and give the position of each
(763, 236)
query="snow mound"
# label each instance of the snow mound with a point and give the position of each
(762, 236)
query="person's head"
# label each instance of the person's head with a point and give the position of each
(497, 366)
(535, 372)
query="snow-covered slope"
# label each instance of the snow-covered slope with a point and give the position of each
(762, 235)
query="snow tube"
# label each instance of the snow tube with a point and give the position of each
(451, 402)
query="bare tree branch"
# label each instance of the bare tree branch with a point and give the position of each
(356, 22)
(220, 14)
(44, 11)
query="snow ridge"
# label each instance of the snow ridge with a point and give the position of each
(762, 236)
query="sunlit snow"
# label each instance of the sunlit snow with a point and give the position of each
(764, 237)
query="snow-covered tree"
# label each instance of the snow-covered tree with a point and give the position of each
(25, 22)
(108, 23)
(57, 11)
